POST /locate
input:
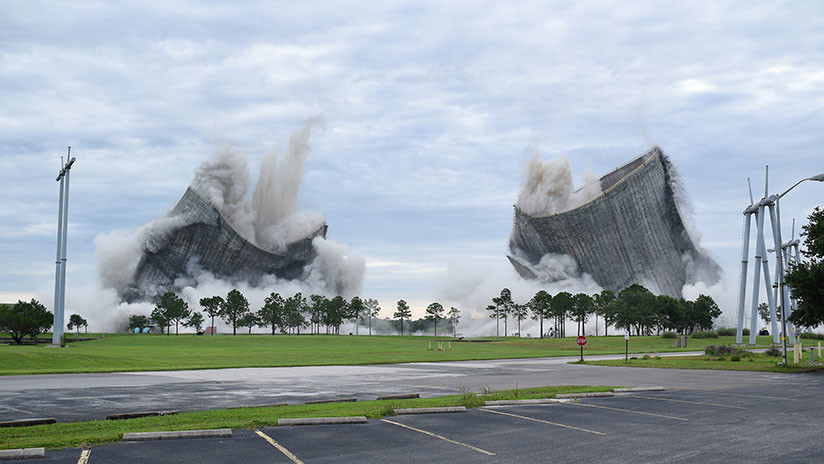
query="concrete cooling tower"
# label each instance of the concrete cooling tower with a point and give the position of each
(203, 236)
(632, 232)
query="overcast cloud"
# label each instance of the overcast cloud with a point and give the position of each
(433, 111)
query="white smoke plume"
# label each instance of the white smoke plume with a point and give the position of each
(268, 218)
(549, 188)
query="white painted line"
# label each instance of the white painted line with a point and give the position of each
(84, 456)
(685, 401)
(542, 421)
(629, 411)
(15, 410)
(22, 453)
(430, 410)
(440, 437)
(323, 420)
(280, 447)
(143, 436)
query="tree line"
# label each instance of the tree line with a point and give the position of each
(635, 309)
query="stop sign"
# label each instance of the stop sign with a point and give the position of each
(582, 340)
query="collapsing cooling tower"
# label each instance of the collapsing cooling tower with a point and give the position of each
(204, 237)
(632, 232)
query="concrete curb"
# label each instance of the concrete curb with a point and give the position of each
(585, 395)
(399, 397)
(323, 420)
(145, 436)
(22, 453)
(342, 400)
(135, 415)
(637, 389)
(527, 401)
(28, 422)
(429, 410)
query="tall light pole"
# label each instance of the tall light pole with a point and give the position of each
(60, 260)
(780, 244)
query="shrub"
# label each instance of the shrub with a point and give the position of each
(735, 358)
(720, 350)
(729, 332)
(658, 357)
(704, 334)
(633, 357)
(721, 359)
(773, 351)
(646, 356)
(669, 334)
(746, 331)
(812, 335)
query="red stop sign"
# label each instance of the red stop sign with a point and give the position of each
(582, 340)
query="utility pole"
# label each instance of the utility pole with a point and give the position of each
(60, 260)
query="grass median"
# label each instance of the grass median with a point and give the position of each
(147, 352)
(745, 362)
(91, 433)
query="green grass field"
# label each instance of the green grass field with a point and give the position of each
(159, 352)
(748, 362)
(85, 434)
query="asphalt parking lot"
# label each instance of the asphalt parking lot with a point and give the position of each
(776, 423)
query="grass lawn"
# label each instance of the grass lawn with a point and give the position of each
(122, 352)
(84, 434)
(748, 362)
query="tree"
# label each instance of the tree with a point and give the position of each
(212, 307)
(337, 309)
(434, 312)
(195, 320)
(233, 308)
(293, 312)
(25, 318)
(503, 305)
(520, 312)
(706, 310)
(76, 321)
(582, 308)
(272, 312)
(539, 305)
(806, 278)
(356, 307)
(671, 313)
(317, 311)
(454, 316)
(249, 320)
(402, 313)
(561, 305)
(635, 308)
(172, 308)
(138, 321)
(160, 319)
(601, 300)
(372, 310)
(764, 312)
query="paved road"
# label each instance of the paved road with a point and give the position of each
(93, 396)
(770, 423)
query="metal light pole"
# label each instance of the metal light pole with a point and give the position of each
(818, 178)
(60, 260)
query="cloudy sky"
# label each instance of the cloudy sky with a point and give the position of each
(433, 110)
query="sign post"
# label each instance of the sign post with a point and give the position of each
(626, 353)
(581, 342)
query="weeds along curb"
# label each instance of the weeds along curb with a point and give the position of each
(341, 400)
(322, 421)
(527, 401)
(637, 389)
(28, 422)
(399, 397)
(429, 410)
(135, 415)
(145, 436)
(585, 395)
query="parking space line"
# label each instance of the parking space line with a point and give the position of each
(441, 437)
(93, 398)
(628, 410)
(16, 410)
(686, 401)
(541, 421)
(84, 456)
(280, 447)
(761, 396)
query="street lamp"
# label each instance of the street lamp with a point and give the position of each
(780, 258)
